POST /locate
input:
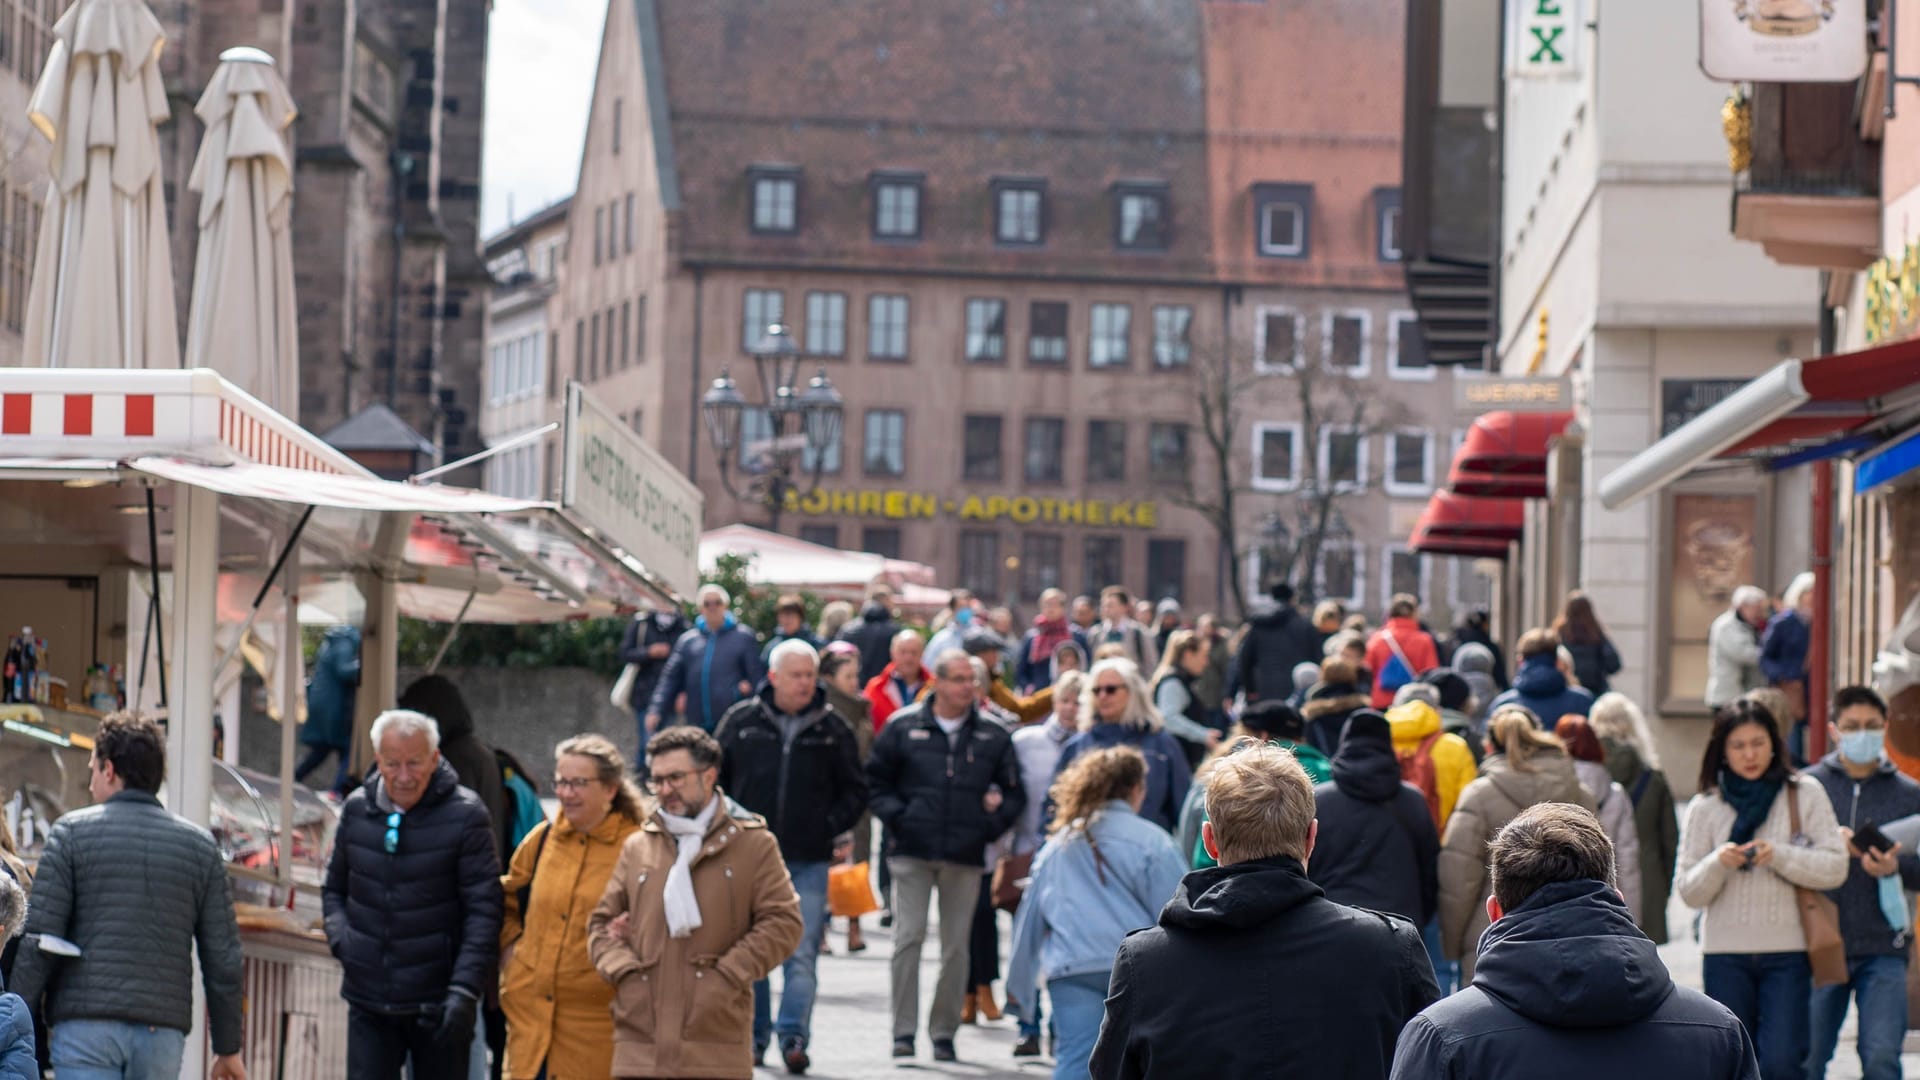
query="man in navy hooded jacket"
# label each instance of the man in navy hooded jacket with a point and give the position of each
(716, 664)
(1541, 685)
(1566, 985)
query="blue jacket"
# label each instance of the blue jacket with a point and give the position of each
(1077, 909)
(332, 689)
(1783, 647)
(1887, 795)
(1167, 774)
(806, 635)
(709, 667)
(1539, 686)
(16, 1040)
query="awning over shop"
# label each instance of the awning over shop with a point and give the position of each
(785, 562)
(1450, 516)
(1510, 442)
(1800, 411)
(340, 492)
(1426, 542)
(1507, 485)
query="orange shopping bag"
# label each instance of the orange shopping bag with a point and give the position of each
(850, 891)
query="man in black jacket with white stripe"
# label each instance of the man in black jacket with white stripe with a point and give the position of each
(413, 908)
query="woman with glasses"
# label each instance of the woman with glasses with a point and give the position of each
(558, 1023)
(1116, 710)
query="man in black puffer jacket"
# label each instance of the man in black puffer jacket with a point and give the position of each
(1377, 847)
(872, 632)
(1566, 985)
(413, 908)
(1279, 639)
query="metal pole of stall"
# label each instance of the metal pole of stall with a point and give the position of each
(454, 630)
(293, 669)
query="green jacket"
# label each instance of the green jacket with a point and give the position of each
(1319, 770)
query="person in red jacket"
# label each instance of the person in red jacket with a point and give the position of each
(900, 682)
(1401, 640)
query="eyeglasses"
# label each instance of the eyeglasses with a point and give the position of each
(1103, 691)
(393, 831)
(567, 784)
(655, 783)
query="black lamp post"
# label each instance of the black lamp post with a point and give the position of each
(800, 421)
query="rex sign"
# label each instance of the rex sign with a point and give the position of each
(1546, 39)
(623, 489)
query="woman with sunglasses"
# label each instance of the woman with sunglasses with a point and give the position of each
(1742, 854)
(558, 1021)
(1116, 710)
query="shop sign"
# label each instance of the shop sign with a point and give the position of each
(621, 487)
(1783, 40)
(1546, 41)
(1681, 400)
(1019, 509)
(1893, 295)
(1529, 393)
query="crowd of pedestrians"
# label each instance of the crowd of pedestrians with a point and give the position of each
(1361, 851)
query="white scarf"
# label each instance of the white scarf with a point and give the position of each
(683, 908)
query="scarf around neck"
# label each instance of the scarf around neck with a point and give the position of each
(1751, 800)
(683, 908)
(1048, 634)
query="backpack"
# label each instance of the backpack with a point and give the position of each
(526, 813)
(1398, 670)
(1416, 768)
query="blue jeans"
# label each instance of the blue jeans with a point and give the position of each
(798, 979)
(1079, 1006)
(1446, 973)
(1769, 993)
(1879, 985)
(115, 1050)
(1031, 1028)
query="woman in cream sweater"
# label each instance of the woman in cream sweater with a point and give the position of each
(1740, 859)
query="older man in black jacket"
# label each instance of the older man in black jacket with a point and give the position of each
(1252, 972)
(945, 782)
(135, 887)
(1566, 985)
(789, 757)
(413, 908)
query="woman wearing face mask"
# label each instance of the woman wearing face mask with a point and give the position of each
(558, 1021)
(1740, 859)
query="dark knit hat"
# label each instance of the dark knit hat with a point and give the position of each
(1369, 725)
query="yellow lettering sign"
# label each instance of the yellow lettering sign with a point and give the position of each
(1018, 509)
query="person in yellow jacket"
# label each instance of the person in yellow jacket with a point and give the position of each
(556, 1003)
(1417, 734)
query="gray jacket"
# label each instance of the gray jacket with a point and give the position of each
(135, 887)
(1733, 659)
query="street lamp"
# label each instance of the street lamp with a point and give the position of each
(801, 421)
(1276, 552)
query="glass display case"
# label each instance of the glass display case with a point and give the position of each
(245, 823)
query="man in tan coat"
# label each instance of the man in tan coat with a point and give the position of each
(699, 908)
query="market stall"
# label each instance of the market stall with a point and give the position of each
(791, 564)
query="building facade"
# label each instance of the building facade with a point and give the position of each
(524, 316)
(1023, 246)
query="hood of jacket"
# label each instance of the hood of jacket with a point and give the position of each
(1325, 700)
(855, 709)
(1473, 657)
(1365, 767)
(1413, 721)
(1549, 777)
(1571, 957)
(1539, 678)
(436, 696)
(1624, 763)
(875, 612)
(440, 787)
(1239, 897)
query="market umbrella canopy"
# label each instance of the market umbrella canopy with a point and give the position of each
(102, 293)
(241, 321)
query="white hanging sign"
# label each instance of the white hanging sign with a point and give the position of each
(1783, 40)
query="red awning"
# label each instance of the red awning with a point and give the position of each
(1843, 394)
(1485, 485)
(1458, 517)
(1428, 544)
(1510, 442)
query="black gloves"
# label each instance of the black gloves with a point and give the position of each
(456, 1019)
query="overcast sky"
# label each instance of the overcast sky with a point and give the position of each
(541, 56)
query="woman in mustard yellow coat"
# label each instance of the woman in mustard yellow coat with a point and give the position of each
(556, 1003)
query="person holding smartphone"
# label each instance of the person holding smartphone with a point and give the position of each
(1866, 791)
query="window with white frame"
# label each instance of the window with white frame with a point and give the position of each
(986, 331)
(1343, 342)
(1019, 209)
(826, 324)
(886, 327)
(1409, 462)
(1388, 215)
(775, 202)
(1172, 343)
(759, 309)
(1342, 572)
(1407, 348)
(1343, 458)
(1276, 456)
(1404, 572)
(496, 359)
(1276, 339)
(1047, 332)
(896, 208)
(1108, 331)
(1282, 220)
(885, 447)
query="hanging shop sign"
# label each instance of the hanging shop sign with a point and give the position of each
(1546, 41)
(1525, 393)
(616, 483)
(1783, 40)
(1018, 509)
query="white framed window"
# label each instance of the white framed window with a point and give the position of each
(1276, 456)
(1407, 348)
(1341, 573)
(1109, 330)
(1403, 571)
(826, 324)
(759, 309)
(986, 331)
(1343, 458)
(1390, 249)
(1409, 462)
(1277, 337)
(1283, 228)
(775, 198)
(1172, 335)
(886, 327)
(495, 358)
(1344, 342)
(896, 209)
